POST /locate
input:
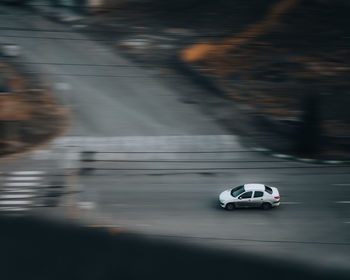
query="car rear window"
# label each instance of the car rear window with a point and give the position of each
(268, 190)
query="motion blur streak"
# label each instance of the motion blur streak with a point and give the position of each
(121, 122)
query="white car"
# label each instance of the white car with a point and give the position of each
(250, 195)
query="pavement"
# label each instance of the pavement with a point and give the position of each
(139, 158)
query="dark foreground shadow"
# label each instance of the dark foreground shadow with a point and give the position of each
(33, 249)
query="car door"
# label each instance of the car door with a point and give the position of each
(244, 200)
(257, 199)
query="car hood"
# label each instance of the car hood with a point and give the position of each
(225, 195)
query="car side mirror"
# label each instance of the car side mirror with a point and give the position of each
(240, 197)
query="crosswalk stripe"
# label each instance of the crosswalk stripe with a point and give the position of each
(27, 173)
(17, 190)
(21, 184)
(15, 202)
(15, 196)
(8, 209)
(23, 178)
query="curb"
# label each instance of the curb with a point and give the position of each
(304, 160)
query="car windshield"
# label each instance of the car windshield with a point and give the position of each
(237, 191)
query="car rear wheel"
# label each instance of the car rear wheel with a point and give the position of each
(230, 206)
(266, 206)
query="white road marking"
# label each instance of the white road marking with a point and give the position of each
(15, 202)
(344, 184)
(281, 156)
(343, 202)
(306, 159)
(348, 222)
(27, 172)
(13, 209)
(198, 143)
(15, 196)
(86, 205)
(332, 161)
(23, 178)
(21, 184)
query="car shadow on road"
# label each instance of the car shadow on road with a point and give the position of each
(215, 205)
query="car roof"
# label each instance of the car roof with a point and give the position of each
(254, 187)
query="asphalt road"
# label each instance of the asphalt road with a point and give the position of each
(158, 164)
(175, 194)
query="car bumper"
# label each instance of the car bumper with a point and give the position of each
(223, 205)
(276, 204)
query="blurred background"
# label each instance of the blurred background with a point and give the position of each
(122, 121)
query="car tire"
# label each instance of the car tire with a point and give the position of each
(266, 206)
(230, 206)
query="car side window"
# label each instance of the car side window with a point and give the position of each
(258, 194)
(246, 195)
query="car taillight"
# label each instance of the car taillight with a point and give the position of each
(277, 197)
